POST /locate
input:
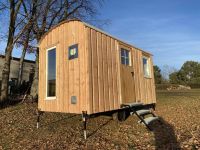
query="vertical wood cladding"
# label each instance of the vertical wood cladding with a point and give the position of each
(95, 77)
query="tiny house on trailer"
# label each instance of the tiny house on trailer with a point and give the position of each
(84, 70)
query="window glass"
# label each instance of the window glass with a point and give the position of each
(51, 73)
(123, 60)
(122, 52)
(127, 61)
(125, 57)
(127, 54)
(73, 51)
(146, 67)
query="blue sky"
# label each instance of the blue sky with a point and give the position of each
(169, 29)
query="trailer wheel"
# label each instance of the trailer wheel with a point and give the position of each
(115, 116)
(123, 114)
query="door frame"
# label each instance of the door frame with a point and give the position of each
(130, 68)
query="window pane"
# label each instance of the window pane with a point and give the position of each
(51, 73)
(144, 61)
(127, 61)
(73, 51)
(127, 53)
(146, 67)
(123, 60)
(125, 57)
(122, 52)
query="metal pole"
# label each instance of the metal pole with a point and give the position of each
(38, 118)
(84, 117)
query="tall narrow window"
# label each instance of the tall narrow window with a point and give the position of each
(51, 72)
(146, 67)
(125, 57)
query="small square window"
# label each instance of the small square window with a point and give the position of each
(73, 51)
(125, 57)
(146, 67)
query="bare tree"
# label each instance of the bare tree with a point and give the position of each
(27, 37)
(14, 9)
(36, 17)
(166, 71)
(19, 22)
(51, 13)
(25, 44)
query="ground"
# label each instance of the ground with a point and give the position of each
(179, 112)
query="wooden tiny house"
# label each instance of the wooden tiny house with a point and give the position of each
(82, 68)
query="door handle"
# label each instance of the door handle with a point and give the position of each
(132, 73)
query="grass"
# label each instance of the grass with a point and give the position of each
(179, 112)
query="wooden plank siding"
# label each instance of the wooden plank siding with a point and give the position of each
(95, 76)
(71, 75)
(103, 72)
(144, 87)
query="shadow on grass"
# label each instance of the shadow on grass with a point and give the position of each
(99, 127)
(164, 134)
(16, 99)
(59, 120)
(9, 102)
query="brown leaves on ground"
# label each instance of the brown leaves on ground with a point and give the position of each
(180, 127)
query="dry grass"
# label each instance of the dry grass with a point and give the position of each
(179, 111)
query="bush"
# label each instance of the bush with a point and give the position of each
(165, 86)
(195, 86)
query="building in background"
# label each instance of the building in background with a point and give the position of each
(28, 70)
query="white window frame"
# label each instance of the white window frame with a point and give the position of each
(148, 67)
(129, 57)
(49, 97)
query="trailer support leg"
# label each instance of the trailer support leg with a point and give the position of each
(84, 117)
(38, 117)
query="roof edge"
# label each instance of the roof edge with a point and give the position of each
(62, 22)
(95, 28)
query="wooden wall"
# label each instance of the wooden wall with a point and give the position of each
(106, 89)
(144, 87)
(72, 76)
(93, 77)
(104, 71)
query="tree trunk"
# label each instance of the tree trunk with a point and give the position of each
(21, 65)
(34, 87)
(6, 72)
(8, 53)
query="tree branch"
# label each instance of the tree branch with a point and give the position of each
(17, 8)
(20, 33)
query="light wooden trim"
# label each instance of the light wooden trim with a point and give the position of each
(51, 46)
(149, 67)
(50, 97)
(119, 72)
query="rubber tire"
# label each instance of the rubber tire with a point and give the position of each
(123, 114)
(115, 116)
